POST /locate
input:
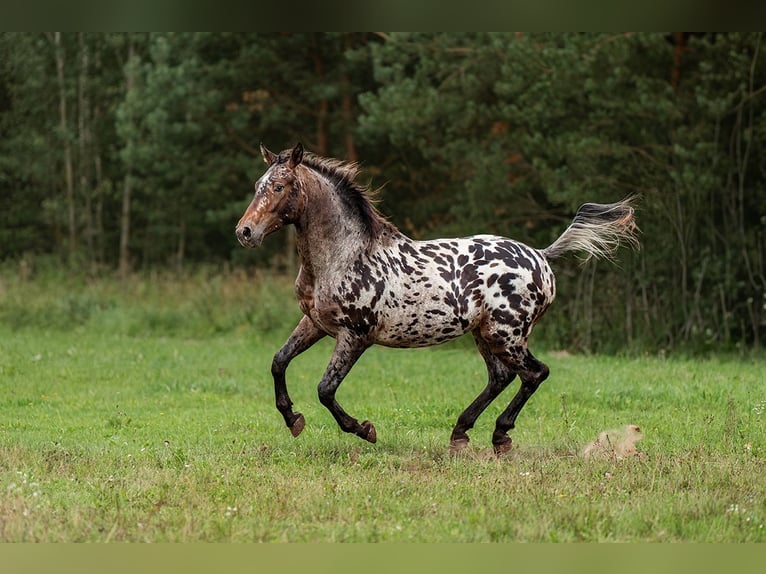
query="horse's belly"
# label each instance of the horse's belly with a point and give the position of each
(425, 319)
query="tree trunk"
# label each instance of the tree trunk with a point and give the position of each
(181, 248)
(324, 104)
(83, 128)
(679, 46)
(98, 174)
(68, 174)
(99, 209)
(125, 227)
(125, 264)
(348, 119)
(347, 109)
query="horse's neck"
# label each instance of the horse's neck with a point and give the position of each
(327, 239)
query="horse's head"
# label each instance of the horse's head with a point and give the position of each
(278, 199)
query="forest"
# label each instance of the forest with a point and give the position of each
(127, 153)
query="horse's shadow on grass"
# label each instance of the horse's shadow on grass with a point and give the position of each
(398, 454)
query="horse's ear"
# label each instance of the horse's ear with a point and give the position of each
(268, 157)
(296, 156)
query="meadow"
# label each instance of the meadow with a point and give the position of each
(143, 410)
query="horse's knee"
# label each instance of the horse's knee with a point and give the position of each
(541, 374)
(279, 365)
(326, 394)
(534, 375)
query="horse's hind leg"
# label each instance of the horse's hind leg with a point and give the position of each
(348, 349)
(303, 337)
(499, 378)
(531, 372)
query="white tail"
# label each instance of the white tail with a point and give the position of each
(597, 230)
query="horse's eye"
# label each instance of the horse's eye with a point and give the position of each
(279, 187)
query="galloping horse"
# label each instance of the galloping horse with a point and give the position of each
(363, 282)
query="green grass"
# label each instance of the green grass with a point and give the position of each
(118, 428)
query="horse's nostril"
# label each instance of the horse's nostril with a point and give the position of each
(246, 232)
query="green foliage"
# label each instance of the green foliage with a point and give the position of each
(465, 132)
(525, 128)
(201, 304)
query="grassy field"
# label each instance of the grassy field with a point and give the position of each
(144, 412)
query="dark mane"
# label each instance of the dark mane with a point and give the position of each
(359, 200)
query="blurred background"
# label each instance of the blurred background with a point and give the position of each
(126, 160)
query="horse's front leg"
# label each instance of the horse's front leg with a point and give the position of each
(348, 349)
(303, 337)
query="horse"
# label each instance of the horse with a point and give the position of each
(364, 282)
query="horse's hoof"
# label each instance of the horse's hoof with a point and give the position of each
(298, 424)
(457, 445)
(502, 446)
(370, 435)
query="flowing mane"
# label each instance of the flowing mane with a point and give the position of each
(360, 200)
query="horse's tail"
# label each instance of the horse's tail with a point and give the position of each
(597, 230)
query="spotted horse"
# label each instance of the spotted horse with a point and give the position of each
(364, 282)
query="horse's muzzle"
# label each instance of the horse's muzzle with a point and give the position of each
(249, 236)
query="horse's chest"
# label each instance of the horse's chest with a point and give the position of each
(345, 302)
(327, 316)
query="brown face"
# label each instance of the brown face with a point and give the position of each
(278, 199)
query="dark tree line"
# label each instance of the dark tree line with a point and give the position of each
(122, 152)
